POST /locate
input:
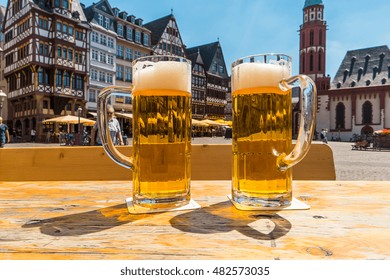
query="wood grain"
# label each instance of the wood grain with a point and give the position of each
(89, 220)
(208, 162)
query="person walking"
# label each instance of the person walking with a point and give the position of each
(324, 137)
(4, 134)
(33, 134)
(113, 126)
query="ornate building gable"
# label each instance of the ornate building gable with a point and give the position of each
(363, 68)
(166, 38)
(101, 14)
(213, 58)
(217, 78)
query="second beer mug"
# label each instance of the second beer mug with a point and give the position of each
(161, 131)
(262, 129)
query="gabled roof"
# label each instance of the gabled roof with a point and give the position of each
(309, 3)
(195, 58)
(364, 67)
(157, 27)
(207, 52)
(90, 10)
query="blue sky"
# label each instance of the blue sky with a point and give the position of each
(247, 27)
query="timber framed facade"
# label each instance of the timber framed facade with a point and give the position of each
(46, 55)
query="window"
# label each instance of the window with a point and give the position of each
(128, 74)
(103, 57)
(221, 69)
(95, 55)
(57, 3)
(119, 51)
(58, 26)
(311, 62)
(70, 54)
(79, 35)
(110, 59)
(43, 23)
(319, 62)
(100, 20)
(367, 112)
(78, 82)
(340, 116)
(129, 54)
(110, 42)
(95, 37)
(109, 78)
(94, 75)
(137, 36)
(146, 39)
(65, 53)
(40, 76)
(129, 33)
(119, 72)
(137, 54)
(92, 95)
(65, 4)
(70, 30)
(120, 30)
(40, 49)
(107, 23)
(59, 52)
(64, 28)
(102, 76)
(311, 38)
(59, 78)
(103, 39)
(66, 79)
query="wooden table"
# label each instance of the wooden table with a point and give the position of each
(89, 220)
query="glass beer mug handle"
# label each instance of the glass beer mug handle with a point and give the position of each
(102, 120)
(308, 108)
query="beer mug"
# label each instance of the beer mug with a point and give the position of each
(161, 100)
(262, 129)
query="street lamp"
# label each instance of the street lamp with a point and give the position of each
(3, 96)
(79, 110)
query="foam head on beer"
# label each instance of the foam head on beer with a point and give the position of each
(162, 75)
(256, 74)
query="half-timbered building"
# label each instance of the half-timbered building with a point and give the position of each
(46, 54)
(166, 38)
(217, 79)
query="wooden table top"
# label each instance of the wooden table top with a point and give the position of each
(89, 220)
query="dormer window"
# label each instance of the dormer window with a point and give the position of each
(368, 82)
(338, 85)
(384, 81)
(100, 19)
(353, 83)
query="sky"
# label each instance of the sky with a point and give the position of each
(247, 27)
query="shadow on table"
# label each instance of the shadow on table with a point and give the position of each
(85, 223)
(223, 217)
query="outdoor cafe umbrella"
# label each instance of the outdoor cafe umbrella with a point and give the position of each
(70, 120)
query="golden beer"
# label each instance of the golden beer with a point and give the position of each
(161, 132)
(261, 130)
(162, 147)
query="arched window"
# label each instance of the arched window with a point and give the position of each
(320, 38)
(319, 61)
(340, 116)
(303, 63)
(311, 38)
(311, 62)
(367, 112)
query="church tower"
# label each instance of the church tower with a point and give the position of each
(313, 44)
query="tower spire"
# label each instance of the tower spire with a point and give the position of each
(312, 50)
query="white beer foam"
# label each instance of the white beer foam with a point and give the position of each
(251, 75)
(163, 75)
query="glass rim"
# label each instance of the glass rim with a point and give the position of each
(242, 60)
(162, 57)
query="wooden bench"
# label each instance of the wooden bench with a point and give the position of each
(209, 162)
